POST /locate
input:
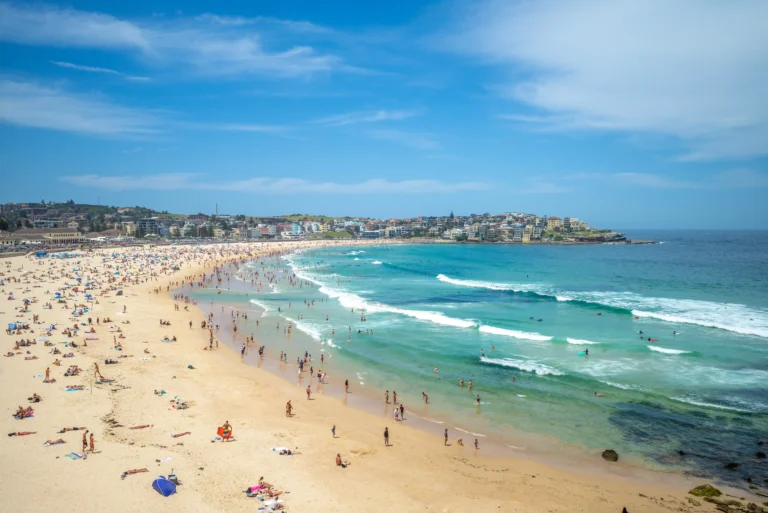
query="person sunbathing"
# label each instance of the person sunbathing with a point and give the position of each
(131, 472)
(48, 443)
(23, 433)
(64, 430)
(72, 388)
(143, 426)
(35, 398)
(23, 413)
(30, 357)
(339, 462)
(57, 362)
(177, 435)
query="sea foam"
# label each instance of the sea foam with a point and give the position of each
(524, 365)
(580, 342)
(729, 317)
(524, 335)
(667, 351)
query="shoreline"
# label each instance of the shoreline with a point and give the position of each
(252, 400)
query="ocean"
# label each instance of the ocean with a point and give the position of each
(676, 375)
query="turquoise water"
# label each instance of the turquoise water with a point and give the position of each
(516, 320)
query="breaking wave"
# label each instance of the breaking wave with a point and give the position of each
(524, 335)
(667, 351)
(524, 365)
(725, 316)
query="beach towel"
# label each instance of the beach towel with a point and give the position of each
(226, 435)
(74, 456)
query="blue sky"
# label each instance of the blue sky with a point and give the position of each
(633, 114)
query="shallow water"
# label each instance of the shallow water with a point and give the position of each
(703, 391)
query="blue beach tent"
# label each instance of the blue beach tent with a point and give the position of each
(163, 486)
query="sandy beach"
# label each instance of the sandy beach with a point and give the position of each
(415, 473)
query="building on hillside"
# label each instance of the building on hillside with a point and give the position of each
(46, 223)
(393, 232)
(554, 224)
(149, 226)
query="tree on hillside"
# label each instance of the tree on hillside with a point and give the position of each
(3, 224)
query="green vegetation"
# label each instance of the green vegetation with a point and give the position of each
(307, 217)
(706, 491)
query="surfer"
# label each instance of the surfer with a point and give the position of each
(599, 395)
(586, 352)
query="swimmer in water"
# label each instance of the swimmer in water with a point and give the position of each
(599, 395)
(477, 401)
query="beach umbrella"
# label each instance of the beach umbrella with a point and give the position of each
(163, 486)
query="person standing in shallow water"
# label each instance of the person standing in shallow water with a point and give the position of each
(386, 437)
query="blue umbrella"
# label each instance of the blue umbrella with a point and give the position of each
(163, 486)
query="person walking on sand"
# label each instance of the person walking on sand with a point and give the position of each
(47, 374)
(91, 443)
(386, 437)
(309, 392)
(402, 412)
(346, 386)
(394, 397)
(446, 437)
(85, 440)
(386, 397)
(477, 444)
(288, 409)
(333, 430)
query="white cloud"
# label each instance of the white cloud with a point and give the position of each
(93, 69)
(267, 185)
(690, 69)
(51, 25)
(237, 21)
(352, 118)
(740, 178)
(210, 45)
(31, 104)
(415, 140)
